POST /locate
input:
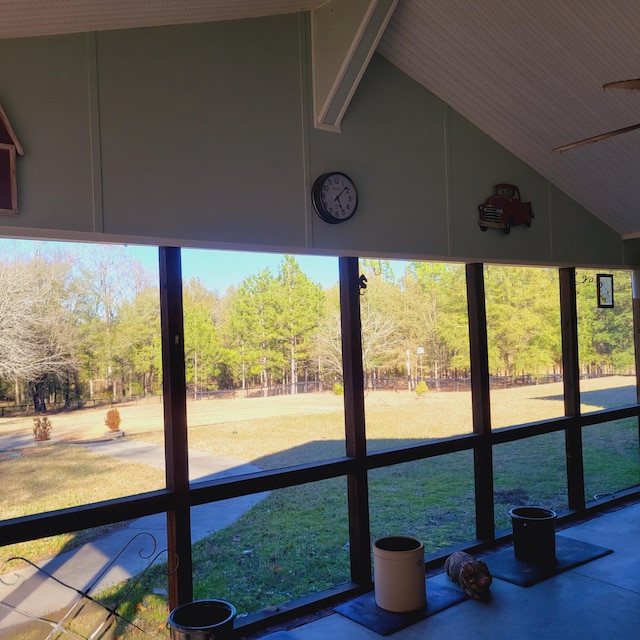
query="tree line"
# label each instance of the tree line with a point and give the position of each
(82, 324)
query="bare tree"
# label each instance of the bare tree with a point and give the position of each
(105, 279)
(36, 335)
(329, 343)
(378, 339)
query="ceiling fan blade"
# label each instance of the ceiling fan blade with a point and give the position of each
(602, 136)
(623, 84)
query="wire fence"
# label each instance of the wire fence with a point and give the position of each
(12, 410)
(442, 384)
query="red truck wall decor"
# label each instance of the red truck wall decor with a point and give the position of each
(504, 209)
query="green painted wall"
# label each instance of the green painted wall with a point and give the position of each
(47, 90)
(202, 135)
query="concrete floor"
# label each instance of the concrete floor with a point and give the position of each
(597, 600)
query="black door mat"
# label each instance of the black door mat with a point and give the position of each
(570, 553)
(365, 611)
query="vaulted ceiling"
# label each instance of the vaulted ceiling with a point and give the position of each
(529, 73)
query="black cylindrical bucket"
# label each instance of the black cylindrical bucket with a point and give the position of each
(534, 535)
(202, 620)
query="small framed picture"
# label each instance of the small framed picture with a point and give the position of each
(605, 290)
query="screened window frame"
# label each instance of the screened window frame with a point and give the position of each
(180, 495)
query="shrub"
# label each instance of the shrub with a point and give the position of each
(113, 420)
(338, 389)
(41, 428)
(421, 389)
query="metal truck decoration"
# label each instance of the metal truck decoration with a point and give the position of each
(504, 209)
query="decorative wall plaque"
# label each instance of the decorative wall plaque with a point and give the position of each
(504, 209)
(9, 147)
(605, 290)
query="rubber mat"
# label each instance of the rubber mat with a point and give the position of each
(570, 553)
(365, 611)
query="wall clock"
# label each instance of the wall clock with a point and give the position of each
(335, 197)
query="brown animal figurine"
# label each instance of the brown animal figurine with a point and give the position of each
(470, 573)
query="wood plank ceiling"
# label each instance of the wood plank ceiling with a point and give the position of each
(528, 73)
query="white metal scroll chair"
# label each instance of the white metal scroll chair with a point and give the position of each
(86, 618)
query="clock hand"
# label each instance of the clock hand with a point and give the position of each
(337, 199)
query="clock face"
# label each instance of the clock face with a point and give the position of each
(335, 197)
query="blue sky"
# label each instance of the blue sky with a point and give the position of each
(217, 270)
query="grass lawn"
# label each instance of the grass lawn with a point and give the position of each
(252, 563)
(53, 476)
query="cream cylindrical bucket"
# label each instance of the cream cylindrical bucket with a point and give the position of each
(398, 573)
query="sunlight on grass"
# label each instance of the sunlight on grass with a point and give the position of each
(608, 465)
(293, 543)
(42, 479)
(295, 540)
(529, 472)
(431, 499)
(272, 442)
(55, 476)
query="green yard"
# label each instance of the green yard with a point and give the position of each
(295, 541)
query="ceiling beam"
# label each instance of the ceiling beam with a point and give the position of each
(344, 35)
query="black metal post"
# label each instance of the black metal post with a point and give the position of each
(356, 442)
(480, 400)
(571, 381)
(175, 426)
(635, 295)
